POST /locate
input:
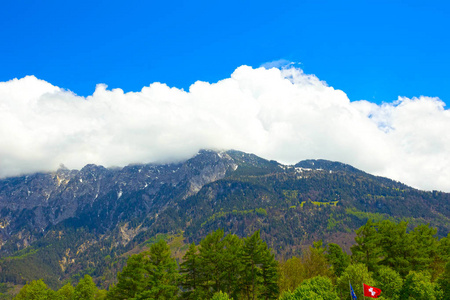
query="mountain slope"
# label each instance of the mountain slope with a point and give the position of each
(64, 224)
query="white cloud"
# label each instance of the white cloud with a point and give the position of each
(284, 115)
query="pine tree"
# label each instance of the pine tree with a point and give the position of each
(367, 249)
(211, 262)
(130, 280)
(259, 271)
(338, 259)
(251, 260)
(161, 274)
(148, 275)
(397, 246)
(190, 274)
(269, 273)
(231, 264)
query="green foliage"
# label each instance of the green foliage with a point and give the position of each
(319, 286)
(387, 243)
(66, 292)
(259, 273)
(338, 259)
(443, 281)
(130, 280)
(390, 282)
(356, 274)
(424, 244)
(315, 261)
(292, 273)
(367, 249)
(228, 267)
(190, 273)
(241, 268)
(418, 286)
(220, 296)
(397, 246)
(35, 290)
(85, 289)
(149, 275)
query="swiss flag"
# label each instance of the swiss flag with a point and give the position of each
(370, 291)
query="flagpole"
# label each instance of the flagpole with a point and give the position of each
(350, 288)
(364, 294)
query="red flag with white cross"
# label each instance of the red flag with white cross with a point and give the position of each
(370, 291)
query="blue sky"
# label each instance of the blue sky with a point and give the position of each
(209, 53)
(373, 50)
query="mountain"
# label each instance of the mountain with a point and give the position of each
(64, 224)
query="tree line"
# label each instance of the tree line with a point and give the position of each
(404, 264)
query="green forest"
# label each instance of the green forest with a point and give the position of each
(404, 264)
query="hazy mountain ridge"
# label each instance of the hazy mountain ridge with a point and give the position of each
(69, 222)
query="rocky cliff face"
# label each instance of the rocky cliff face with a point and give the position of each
(99, 196)
(59, 225)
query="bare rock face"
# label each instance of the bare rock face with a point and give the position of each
(99, 197)
(63, 223)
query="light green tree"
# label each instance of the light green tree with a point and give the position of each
(315, 261)
(320, 287)
(35, 290)
(418, 286)
(85, 289)
(292, 273)
(390, 282)
(356, 274)
(66, 292)
(220, 296)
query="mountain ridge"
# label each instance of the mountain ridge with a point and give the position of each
(68, 222)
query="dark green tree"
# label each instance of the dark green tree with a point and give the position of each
(269, 274)
(161, 274)
(251, 260)
(397, 246)
(151, 274)
(367, 249)
(259, 272)
(191, 274)
(131, 280)
(424, 245)
(338, 259)
(444, 281)
(211, 262)
(231, 264)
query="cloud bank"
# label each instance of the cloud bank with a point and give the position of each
(285, 115)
